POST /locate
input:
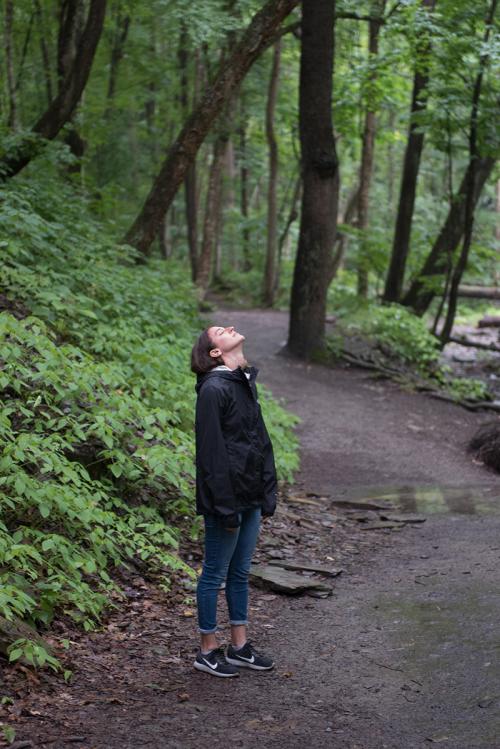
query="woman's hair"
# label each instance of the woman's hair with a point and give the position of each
(201, 361)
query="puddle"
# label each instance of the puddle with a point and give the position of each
(459, 500)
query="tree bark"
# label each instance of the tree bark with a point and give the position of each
(117, 51)
(368, 150)
(496, 272)
(471, 189)
(272, 203)
(254, 41)
(9, 63)
(62, 107)
(422, 291)
(212, 210)
(411, 167)
(44, 51)
(293, 215)
(247, 264)
(71, 22)
(320, 180)
(350, 218)
(190, 188)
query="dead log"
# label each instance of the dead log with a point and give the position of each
(474, 344)
(479, 292)
(489, 321)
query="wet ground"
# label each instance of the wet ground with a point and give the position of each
(404, 655)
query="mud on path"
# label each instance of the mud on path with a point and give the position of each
(403, 655)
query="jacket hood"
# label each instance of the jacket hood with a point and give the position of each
(236, 375)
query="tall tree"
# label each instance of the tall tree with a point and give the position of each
(320, 180)
(368, 148)
(428, 281)
(190, 186)
(212, 213)
(270, 273)
(44, 49)
(411, 165)
(257, 37)
(9, 62)
(62, 107)
(472, 179)
(243, 156)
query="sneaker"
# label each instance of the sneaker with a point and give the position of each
(248, 657)
(215, 663)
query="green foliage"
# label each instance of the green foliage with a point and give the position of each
(398, 335)
(401, 332)
(468, 388)
(8, 732)
(96, 426)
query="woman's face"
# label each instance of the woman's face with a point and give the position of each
(224, 340)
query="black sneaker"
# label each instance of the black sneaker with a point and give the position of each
(215, 663)
(248, 657)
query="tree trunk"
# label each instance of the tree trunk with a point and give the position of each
(247, 263)
(320, 180)
(422, 291)
(496, 274)
(71, 22)
(471, 188)
(117, 51)
(254, 41)
(411, 167)
(350, 218)
(62, 107)
(367, 153)
(272, 204)
(293, 215)
(164, 238)
(190, 189)
(44, 51)
(9, 63)
(204, 264)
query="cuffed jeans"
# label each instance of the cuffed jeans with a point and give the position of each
(228, 555)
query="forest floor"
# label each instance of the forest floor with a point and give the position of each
(404, 653)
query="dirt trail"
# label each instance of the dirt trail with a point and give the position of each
(404, 655)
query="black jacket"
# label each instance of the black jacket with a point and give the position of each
(235, 468)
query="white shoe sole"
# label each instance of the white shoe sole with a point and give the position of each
(243, 664)
(213, 672)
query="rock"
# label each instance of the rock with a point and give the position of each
(395, 518)
(299, 566)
(284, 581)
(362, 504)
(381, 526)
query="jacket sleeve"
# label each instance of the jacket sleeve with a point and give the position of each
(211, 456)
(269, 475)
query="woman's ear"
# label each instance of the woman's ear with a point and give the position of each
(215, 353)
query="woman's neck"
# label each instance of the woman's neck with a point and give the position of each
(235, 359)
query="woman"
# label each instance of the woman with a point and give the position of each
(235, 486)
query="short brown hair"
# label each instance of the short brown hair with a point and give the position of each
(201, 361)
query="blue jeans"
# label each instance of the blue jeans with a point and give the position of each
(228, 555)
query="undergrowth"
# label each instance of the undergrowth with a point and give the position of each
(96, 427)
(394, 336)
